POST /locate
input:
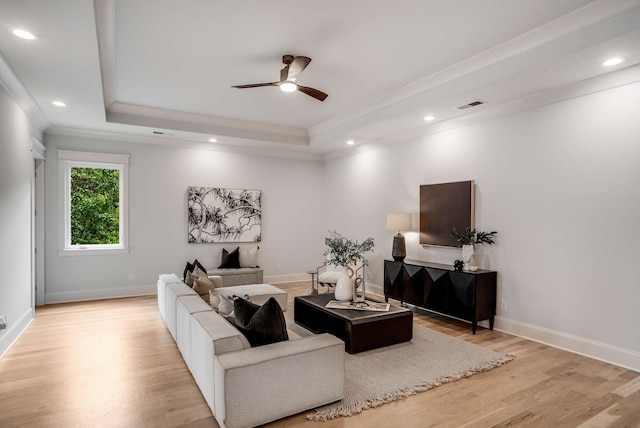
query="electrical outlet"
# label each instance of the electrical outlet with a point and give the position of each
(503, 305)
(3, 322)
(369, 274)
(130, 277)
(279, 268)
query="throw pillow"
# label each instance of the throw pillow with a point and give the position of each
(203, 285)
(263, 325)
(230, 259)
(244, 310)
(188, 268)
(249, 257)
(214, 300)
(198, 265)
(191, 276)
(225, 308)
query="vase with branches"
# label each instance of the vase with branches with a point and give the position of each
(466, 239)
(345, 252)
(342, 251)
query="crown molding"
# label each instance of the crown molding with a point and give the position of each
(258, 149)
(151, 117)
(16, 90)
(626, 76)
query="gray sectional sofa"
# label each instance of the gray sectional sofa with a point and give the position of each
(244, 386)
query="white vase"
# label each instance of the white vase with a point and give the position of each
(344, 287)
(467, 254)
(473, 263)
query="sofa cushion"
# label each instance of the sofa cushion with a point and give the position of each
(261, 325)
(230, 259)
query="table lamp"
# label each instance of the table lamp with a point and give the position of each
(399, 222)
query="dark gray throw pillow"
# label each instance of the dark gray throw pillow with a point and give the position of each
(230, 259)
(188, 268)
(244, 310)
(196, 263)
(261, 325)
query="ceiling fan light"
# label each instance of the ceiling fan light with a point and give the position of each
(288, 86)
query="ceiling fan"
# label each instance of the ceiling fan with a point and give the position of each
(293, 66)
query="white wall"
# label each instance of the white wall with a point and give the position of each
(561, 185)
(15, 219)
(292, 218)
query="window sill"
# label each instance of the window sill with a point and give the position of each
(92, 251)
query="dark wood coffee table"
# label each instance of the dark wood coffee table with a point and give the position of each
(360, 330)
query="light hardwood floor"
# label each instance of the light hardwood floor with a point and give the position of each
(113, 363)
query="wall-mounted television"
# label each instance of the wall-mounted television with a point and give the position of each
(445, 206)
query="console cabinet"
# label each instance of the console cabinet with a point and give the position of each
(470, 296)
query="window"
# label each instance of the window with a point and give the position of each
(94, 203)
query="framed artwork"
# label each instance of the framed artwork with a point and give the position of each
(224, 215)
(443, 207)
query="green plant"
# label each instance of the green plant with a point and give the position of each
(344, 252)
(470, 237)
(95, 206)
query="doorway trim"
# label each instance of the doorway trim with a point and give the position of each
(37, 224)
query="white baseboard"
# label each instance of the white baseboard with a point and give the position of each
(13, 333)
(99, 294)
(374, 289)
(590, 348)
(578, 345)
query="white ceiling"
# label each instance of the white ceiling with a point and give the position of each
(132, 67)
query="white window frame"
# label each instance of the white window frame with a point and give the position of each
(71, 159)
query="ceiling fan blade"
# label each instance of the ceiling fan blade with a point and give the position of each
(297, 66)
(256, 85)
(318, 95)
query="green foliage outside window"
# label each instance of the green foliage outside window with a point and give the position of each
(95, 206)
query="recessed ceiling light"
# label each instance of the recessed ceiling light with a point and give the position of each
(288, 86)
(213, 140)
(23, 34)
(350, 143)
(429, 118)
(612, 61)
(58, 103)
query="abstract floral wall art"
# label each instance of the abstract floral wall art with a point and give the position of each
(224, 215)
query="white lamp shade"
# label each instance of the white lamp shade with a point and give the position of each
(399, 221)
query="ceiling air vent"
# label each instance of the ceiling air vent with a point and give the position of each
(471, 104)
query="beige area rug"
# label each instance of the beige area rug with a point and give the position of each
(379, 376)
